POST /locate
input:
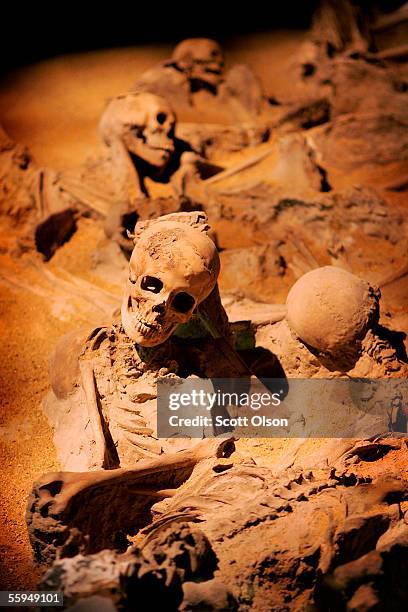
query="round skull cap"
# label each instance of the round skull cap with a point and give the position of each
(192, 49)
(330, 308)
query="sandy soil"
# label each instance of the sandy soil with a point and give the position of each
(53, 107)
(26, 444)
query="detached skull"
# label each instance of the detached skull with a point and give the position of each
(173, 268)
(144, 124)
(202, 59)
(331, 309)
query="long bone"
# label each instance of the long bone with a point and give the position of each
(90, 391)
(84, 511)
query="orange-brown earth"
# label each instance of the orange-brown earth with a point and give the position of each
(54, 107)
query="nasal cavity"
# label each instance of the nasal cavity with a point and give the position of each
(160, 308)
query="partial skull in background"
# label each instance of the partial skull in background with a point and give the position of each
(144, 123)
(173, 268)
(202, 59)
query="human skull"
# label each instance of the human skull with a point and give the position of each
(331, 310)
(201, 58)
(173, 268)
(145, 124)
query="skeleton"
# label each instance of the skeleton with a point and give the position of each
(332, 329)
(103, 403)
(75, 517)
(197, 66)
(139, 130)
(202, 60)
(348, 28)
(339, 63)
(318, 524)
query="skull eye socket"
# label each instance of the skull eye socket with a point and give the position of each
(183, 302)
(150, 283)
(161, 118)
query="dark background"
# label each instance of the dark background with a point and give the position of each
(31, 32)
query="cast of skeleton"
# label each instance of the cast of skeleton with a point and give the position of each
(173, 268)
(102, 406)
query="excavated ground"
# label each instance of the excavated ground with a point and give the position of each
(53, 108)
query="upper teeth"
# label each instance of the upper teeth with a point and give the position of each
(145, 327)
